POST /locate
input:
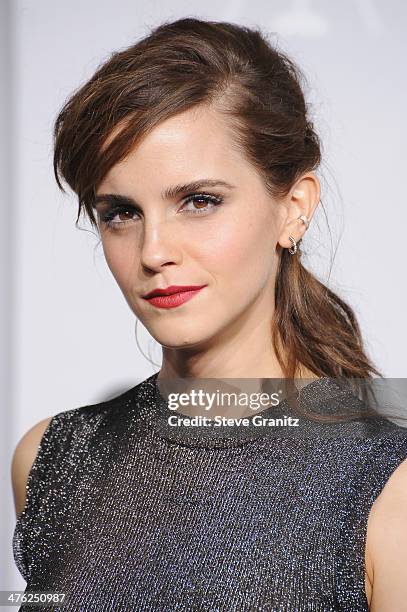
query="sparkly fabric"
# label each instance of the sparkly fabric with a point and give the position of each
(120, 516)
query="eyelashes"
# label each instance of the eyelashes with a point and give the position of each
(202, 198)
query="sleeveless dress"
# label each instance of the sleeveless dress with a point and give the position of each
(120, 515)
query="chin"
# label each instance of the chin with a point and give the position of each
(184, 339)
(179, 343)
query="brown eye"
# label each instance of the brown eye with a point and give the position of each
(127, 214)
(202, 200)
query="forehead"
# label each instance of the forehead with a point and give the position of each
(195, 143)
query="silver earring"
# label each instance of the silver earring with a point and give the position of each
(304, 220)
(292, 250)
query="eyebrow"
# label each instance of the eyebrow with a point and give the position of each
(169, 192)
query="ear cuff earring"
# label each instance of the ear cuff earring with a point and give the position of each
(292, 250)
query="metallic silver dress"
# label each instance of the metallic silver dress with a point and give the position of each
(120, 515)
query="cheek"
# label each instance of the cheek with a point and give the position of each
(121, 259)
(242, 249)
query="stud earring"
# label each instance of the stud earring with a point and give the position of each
(304, 220)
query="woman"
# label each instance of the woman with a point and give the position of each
(193, 155)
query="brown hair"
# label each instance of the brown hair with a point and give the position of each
(190, 62)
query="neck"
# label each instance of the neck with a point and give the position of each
(242, 349)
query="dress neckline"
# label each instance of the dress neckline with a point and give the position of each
(225, 436)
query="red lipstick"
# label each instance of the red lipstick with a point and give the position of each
(172, 296)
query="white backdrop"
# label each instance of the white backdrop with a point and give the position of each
(68, 334)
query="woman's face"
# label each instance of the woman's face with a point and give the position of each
(226, 239)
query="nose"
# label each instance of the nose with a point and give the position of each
(159, 246)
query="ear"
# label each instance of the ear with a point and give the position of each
(302, 200)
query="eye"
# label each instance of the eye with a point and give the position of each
(206, 202)
(203, 200)
(108, 217)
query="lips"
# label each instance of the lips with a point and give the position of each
(172, 289)
(172, 300)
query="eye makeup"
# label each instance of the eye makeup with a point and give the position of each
(209, 201)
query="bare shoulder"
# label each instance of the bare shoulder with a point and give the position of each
(386, 545)
(23, 459)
